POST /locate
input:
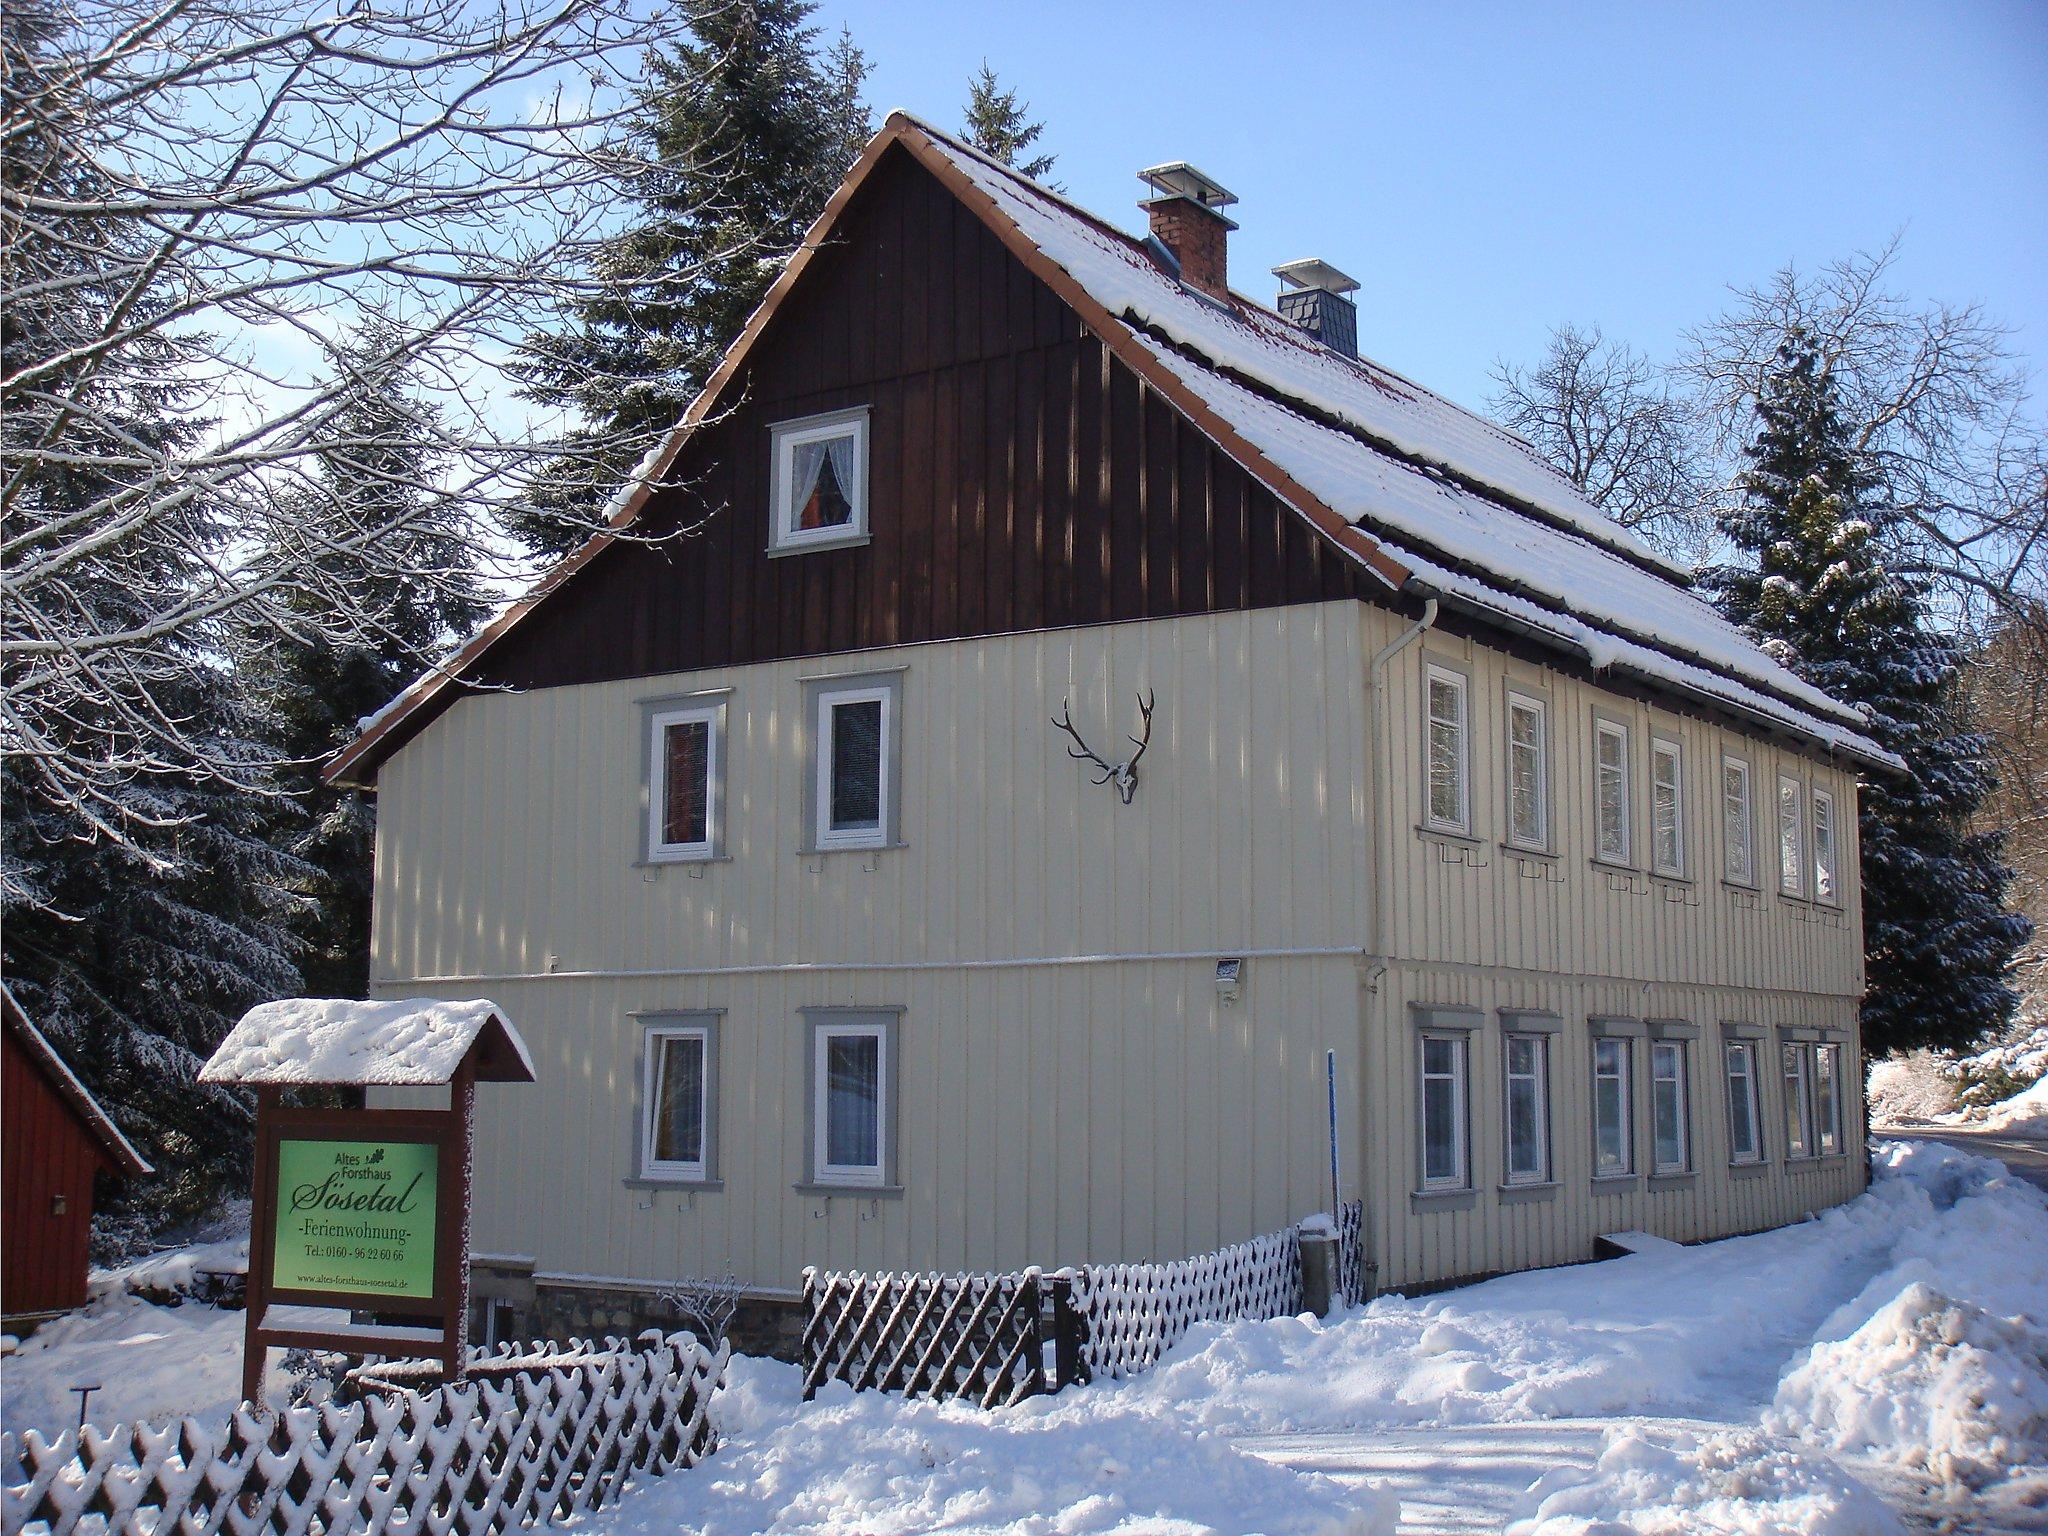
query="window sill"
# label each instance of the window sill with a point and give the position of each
(1678, 1178)
(855, 848)
(1524, 851)
(1754, 1170)
(1447, 835)
(1744, 886)
(813, 546)
(1792, 900)
(1528, 1194)
(1616, 1183)
(1443, 1199)
(1614, 867)
(670, 1181)
(1816, 1162)
(1671, 877)
(850, 1191)
(664, 860)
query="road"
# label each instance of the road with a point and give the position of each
(2026, 1156)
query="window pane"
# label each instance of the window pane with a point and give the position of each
(1526, 1158)
(1827, 1063)
(1446, 751)
(1610, 1107)
(1797, 1113)
(686, 782)
(1525, 773)
(1612, 751)
(819, 488)
(1790, 835)
(853, 1101)
(1824, 847)
(679, 1100)
(1669, 853)
(1442, 1110)
(1742, 1145)
(1735, 820)
(1668, 1104)
(856, 765)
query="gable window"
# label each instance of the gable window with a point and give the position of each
(1449, 753)
(856, 759)
(684, 786)
(1671, 1150)
(1527, 1069)
(1827, 1096)
(818, 480)
(1610, 793)
(678, 1076)
(1738, 849)
(1528, 772)
(1791, 837)
(1823, 846)
(852, 1109)
(1798, 1101)
(1613, 1144)
(1444, 1132)
(1667, 805)
(1745, 1142)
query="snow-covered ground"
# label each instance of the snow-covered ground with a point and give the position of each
(1929, 1088)
(1762, 1384)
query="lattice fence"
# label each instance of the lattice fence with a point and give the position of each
(488, 1456)
(1131, 1314)
(1354, 1275)
(972, 1336)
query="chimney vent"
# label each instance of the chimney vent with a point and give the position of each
(1315, 299)
(1187, 218)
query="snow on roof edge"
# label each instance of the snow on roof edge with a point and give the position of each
(394, 1042)
(81, 1095)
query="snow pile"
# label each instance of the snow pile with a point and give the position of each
(413, 1040)
(1088, 1461)
(2024, 1114)
(1736, 1482)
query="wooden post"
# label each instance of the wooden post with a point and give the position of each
(1319, 1288)
(256, 1283)
(1068, 1334)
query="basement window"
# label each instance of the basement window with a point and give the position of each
(818, 481)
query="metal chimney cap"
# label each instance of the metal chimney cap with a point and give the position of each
(1177, 178)
(1315, 273)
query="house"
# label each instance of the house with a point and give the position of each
(832, 950)
(56, 1138)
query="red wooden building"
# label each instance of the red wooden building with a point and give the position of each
(53, 1139)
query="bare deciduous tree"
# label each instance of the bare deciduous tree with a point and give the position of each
(201, 197)
(1940, 409)
(1613, 423)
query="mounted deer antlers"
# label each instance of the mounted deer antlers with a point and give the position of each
(1124, 775)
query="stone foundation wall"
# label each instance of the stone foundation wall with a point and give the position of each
(509, 1302)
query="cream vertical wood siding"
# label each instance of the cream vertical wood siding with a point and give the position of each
(1072, 1086)
(1057, 1101)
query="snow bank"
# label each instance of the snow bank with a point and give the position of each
(2025, 1114)
(1934, 1088)
(1079, 1463)
(1736, 1482)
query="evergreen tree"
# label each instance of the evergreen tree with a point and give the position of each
(746, 131)
(374, 461)
(1816, 590)
(135, 958)
(1000, 126)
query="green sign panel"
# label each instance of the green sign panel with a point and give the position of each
(356, 1216)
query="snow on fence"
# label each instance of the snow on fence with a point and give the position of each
(544, 1443)
(925, 1335)
(1131, 1314)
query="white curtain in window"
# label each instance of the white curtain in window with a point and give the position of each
(808, 461)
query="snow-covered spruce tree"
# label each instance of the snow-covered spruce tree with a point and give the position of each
(744, 130)
(1815, 588)
(1001, 127)
(140, 922)
(314, 684)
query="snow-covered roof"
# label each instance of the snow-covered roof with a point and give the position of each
(1460, 501)
(65, 1081)
(407, 1042)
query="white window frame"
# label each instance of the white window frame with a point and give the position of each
(882, 833)
(712, 716)
(1625, 1077)
(1605, 730)
(1665, 750)
(1540, 708)
(1745, 1050)
(1674, 1051)
(1826, 884)
(1461, 1129)
(1461, 685)
(1792, 859)
(853, 1175)
(1827, 1116)
(1738, 852)
(652, 1060)
(784, 438)
(1541, 1174)
(1797, 1087)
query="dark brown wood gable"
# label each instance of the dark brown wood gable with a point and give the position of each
(1020, 478)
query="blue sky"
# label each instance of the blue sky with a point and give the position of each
(1488, 170)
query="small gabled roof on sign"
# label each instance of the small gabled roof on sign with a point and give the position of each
(119, 1149)
(410, 1042)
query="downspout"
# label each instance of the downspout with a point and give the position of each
(1376, 881)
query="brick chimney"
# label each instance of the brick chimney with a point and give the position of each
(1187, 219)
